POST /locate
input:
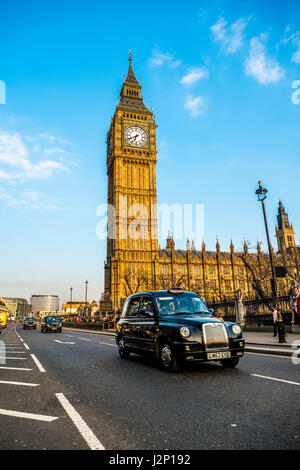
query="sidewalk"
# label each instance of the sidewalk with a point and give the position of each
(267, 338)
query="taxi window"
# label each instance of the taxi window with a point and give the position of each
(147, 306)
(134, 306)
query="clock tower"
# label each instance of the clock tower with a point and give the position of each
(132, 243)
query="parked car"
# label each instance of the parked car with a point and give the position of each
(51, 323)
(29, 322)
(176, 326)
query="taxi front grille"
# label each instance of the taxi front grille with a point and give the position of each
(215, 336)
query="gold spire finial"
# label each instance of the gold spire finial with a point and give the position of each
(130, 56)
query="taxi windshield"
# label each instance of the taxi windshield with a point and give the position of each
(180, 304)
(52, 319)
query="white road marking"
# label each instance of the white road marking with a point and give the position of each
(63, 342)
(71, 336)
(39, 365)
(15, 352)
(18, 383)
(277, 380)
(84, 339)
(14, 368)
(19, 414)
(87, 434)
(26, 346)
(14, 358)
(107, 344)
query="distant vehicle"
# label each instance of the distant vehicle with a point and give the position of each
(29, 322)
(175, 327)
(51, 323)
(3, 314)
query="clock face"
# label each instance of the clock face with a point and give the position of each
(136, 136)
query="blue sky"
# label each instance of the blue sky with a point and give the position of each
(220, 79)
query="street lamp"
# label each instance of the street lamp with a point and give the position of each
(70, 310)
(261, 196)
(86, 286)
(115, 286)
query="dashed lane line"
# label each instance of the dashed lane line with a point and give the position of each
(25, 384)
(277, 380)
(26, 346)
(84, 339)
(107, 344)
(87, 434)
(37, 362)
(19, 414)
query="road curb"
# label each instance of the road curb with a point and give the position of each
(270, 351)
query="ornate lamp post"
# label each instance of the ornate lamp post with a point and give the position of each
(115, 287)
(85, 307)
(261, 196)
(71, 290)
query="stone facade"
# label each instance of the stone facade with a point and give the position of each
(139, 264)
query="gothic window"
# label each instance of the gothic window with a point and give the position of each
(211, 270)
(165, 269)
(197, 270)
(226, 270)
(180, 269)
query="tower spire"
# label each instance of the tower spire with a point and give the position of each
(131, 92)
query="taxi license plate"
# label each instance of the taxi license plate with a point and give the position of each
(219, 355)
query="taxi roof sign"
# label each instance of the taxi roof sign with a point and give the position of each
(175, 290)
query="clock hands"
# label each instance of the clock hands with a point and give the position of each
(133, 137)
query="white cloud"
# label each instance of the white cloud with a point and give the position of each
(4, 175)
(27, 199)
(159, 58)
(194, 105)
(47, 136)
(194, 75)
(264, 69)
(14, 153)
(230, 36)
(294, 39)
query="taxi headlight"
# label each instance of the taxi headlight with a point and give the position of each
(236, 329)
(185, 331)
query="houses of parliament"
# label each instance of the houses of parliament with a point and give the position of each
(140, 264)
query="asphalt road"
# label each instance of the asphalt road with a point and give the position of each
(76, 393)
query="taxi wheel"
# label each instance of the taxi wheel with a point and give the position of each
(167, 358)
(232, 362)
(123, 351)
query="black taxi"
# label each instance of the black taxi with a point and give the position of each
(176, 326)
(29, 322)
(51, 323)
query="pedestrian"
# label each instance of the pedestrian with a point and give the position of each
(297, 313)
(239, 309)
(295, 306)
(275, 319)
